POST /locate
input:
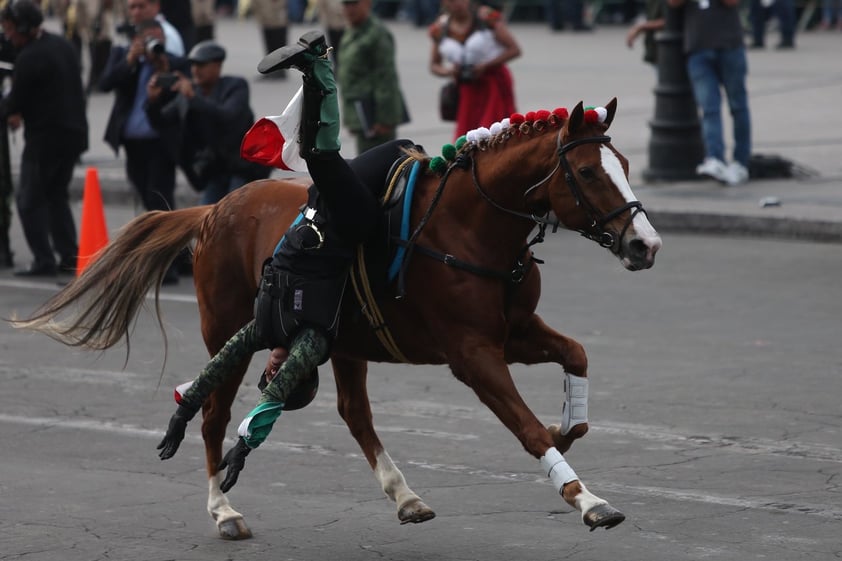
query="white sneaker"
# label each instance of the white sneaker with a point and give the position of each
(713, 168)
(736, 174)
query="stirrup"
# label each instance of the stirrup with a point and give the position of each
(312, 42)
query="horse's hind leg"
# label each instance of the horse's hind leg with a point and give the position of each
(217, 413)
(224, 311)
(536, 343)
(355, 410)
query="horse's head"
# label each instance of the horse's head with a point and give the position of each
(592, 195)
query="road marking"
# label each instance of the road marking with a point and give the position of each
(54, 286)
(757, 503)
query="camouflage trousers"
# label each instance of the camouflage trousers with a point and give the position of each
(307, 350)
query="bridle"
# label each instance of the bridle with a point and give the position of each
(596, 229)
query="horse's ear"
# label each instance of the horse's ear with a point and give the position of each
(577, 116)
(611, 108)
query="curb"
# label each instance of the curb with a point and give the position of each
(118, 192)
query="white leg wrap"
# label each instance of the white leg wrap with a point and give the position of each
(574, 410)
(557, 468)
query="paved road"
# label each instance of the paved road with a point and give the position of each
(714, 406)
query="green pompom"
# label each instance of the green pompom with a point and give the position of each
(460, 142)
(438, 164)
(449, 152)
(589, 107)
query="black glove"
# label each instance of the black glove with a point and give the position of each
(175, 432)
(235, 461)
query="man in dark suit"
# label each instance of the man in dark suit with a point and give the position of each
(206, 117)
(132, 71)
(47, 99)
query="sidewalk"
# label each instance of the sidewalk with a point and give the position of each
(793, 95)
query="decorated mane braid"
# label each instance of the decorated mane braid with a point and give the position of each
(501, 131)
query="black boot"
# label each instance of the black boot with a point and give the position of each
(275, 38)
(6, 261)
(319, 130)
(299, 55)
(204, 32)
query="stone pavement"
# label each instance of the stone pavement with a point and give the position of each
(793, 95)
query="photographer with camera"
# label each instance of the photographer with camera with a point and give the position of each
(471, 45)
(150, 167)
(207, 116)
(144, 10)
(47, 98)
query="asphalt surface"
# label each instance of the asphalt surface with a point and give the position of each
(714, 408)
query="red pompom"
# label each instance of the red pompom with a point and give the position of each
(591, 116)
(516, 119)
(561, 112)
(542, 114)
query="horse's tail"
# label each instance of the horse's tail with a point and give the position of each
(100, 305)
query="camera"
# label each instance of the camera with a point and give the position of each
(166, 80)
(127, 29)
(154, 47)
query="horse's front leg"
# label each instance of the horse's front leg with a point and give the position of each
(534, 343)
(355, 410)
(482, 367)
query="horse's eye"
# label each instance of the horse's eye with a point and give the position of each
(587, 174)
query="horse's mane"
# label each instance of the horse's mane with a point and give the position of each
(518, 126)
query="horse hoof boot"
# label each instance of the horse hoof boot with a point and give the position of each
(415, 513)
(311, 44)
(603, 516)
(234, 529)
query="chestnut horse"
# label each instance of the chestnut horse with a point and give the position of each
(471, 226)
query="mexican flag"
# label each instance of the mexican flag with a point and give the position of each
(273, 141)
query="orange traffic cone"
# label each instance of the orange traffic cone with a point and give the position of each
(94, 234)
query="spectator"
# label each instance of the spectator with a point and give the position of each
(473, 46)
(716, 58)
(372, 104)
(204, 17)
(784, 10)
(559, 12)
(7, 55)
(332, 18)
(144, 10)
(209, 116)
(654, 22)
(180, 14)
(130, 73)
(828, 15)
(48, 98)
(88, 22)
(273, 18)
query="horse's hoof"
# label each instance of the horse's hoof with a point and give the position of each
(415, 512)
(603, 516)
(234, 529)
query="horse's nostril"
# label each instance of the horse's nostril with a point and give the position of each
(638, 248)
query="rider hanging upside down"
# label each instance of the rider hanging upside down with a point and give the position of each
(298, 303)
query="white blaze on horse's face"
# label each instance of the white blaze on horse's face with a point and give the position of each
(641, 242)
